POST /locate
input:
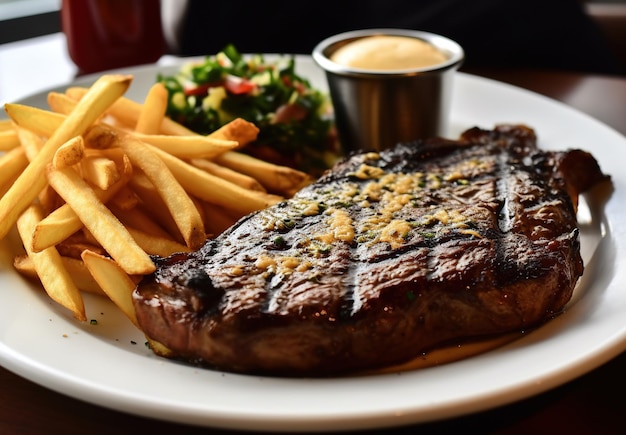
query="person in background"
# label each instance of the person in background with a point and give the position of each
(554, 34)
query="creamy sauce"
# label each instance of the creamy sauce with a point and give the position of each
(387, 52)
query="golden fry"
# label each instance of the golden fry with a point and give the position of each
(11, 165)
(8, 140)
(152, 201)
(113, 280)
(70, 153)
(125, 199)
(39, 121)
(60, 103)
(49, 200)
(55, 279)
(6, 125)
(55, 227)
(76, 92)
(127, 112)
(77, 243)
(153, 110)
(155, 245)
(214, 189)
(30, 141)
(138, 218)
(188, 147)
(102, 172)
(110, 151)
(176, 199)
(75, 267)
(63, 221)
(31, 181)
(241, 131)
(278, 179)
(228, 174)
(99, 220)
(159, 349)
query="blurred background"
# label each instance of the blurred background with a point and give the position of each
(531, 33)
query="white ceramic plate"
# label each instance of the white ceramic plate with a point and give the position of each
(108, 364)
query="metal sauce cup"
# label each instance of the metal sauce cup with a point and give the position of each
(376, 109)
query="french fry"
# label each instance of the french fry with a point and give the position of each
(55, 279)
(127, 112)
(74, 266)
(155, 245)
(78, 92)
(282, 180)
(55, 227)
(159, 348)
(70, 153)
(74, 245)
(198, 203)
(6, 125)
(153, 110)
(239, 130)
(99, 220)
(109, 151)
(103, 137)
(39, 121)
(8, 140)
(214, 189)
(30, 141)
(138, 218)
(11, 165)
(188, 147)
(228, 174)
(151, 200)
(31, 181)
(49, 200)
(102, 172)
(176, 199)
(125, 199)
(113, 280)
(61, 103)
(119, 176)
(63, 221)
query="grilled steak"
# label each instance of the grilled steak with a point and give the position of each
(385, 257)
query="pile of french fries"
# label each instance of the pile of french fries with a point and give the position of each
(99, 183)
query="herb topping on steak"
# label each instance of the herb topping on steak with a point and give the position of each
(385, 257)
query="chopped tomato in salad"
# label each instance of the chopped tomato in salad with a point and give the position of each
(294, 119)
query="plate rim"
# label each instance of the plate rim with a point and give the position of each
(364, 419)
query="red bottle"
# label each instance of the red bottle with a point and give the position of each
(109, 34)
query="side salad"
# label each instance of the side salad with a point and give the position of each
(294, 119)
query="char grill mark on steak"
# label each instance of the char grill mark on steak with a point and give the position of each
(386, 256)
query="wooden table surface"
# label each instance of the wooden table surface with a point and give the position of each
(593, 403)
